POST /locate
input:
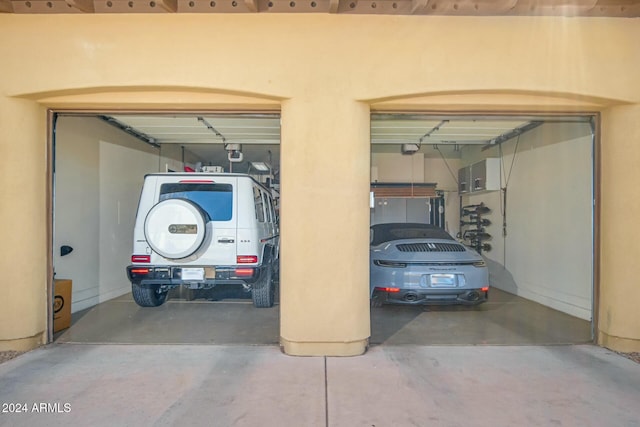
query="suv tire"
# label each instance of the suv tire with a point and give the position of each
(147, 296)
(263, 292)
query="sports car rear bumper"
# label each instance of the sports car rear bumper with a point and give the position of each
(430, 296)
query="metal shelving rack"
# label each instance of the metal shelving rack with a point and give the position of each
(475, 237)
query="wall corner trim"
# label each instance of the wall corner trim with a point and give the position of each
(23, 344)
(340, 349)
(624, 345)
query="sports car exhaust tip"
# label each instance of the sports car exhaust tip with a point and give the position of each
(411, 297)
(473, 296)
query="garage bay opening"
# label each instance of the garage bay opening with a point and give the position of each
(189, 254)
(512, 195)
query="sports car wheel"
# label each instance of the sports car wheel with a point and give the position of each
(147, 296)
(375, 302)
(175, 228)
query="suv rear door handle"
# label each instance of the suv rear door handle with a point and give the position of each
(226, 240)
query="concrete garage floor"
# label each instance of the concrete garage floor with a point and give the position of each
(505, 320)
(231, 320)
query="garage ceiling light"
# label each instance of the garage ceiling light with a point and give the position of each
(260, 166)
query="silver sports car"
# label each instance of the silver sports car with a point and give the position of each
(423, 264)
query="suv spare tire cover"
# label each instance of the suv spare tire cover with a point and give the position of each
(175, 228)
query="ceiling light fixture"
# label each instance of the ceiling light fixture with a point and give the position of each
(260, 167)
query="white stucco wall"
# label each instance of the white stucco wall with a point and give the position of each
(548, 247)
(99, 172)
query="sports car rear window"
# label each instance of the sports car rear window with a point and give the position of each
(215, 199)
(387, 232)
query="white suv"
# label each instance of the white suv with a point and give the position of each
(200, 230)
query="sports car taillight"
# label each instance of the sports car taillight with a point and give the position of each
(387, 289)
(140, 258)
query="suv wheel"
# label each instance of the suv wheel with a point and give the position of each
(147, 296)
(263, 292)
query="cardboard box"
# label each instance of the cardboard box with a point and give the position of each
(61, 304)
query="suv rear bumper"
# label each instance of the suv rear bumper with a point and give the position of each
(172, 275)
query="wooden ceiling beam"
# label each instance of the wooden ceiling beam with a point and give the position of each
(6, 6)
(626, 8)
(572, 7)
(418, 6)
(83, 5)
(599, 8)
(473, 7)
(168, 5)
(252, 5)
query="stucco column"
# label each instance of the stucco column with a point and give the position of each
(325, 175)
(619, 317)
(23, 220)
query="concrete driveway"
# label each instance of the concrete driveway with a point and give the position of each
(211, 385)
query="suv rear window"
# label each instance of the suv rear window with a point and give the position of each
(215, 199)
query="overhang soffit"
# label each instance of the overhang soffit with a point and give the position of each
(606, 8)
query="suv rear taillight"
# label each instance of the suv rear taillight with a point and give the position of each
(246, 259)
(244, 272)
(141, 258)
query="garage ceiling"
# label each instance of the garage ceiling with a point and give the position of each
(608, 8)
(206, 129)
(259, 134)
(398, 130)
(206, 135)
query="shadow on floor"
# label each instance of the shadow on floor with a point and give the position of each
(505, 319)
(204, 317)
(228, 317)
